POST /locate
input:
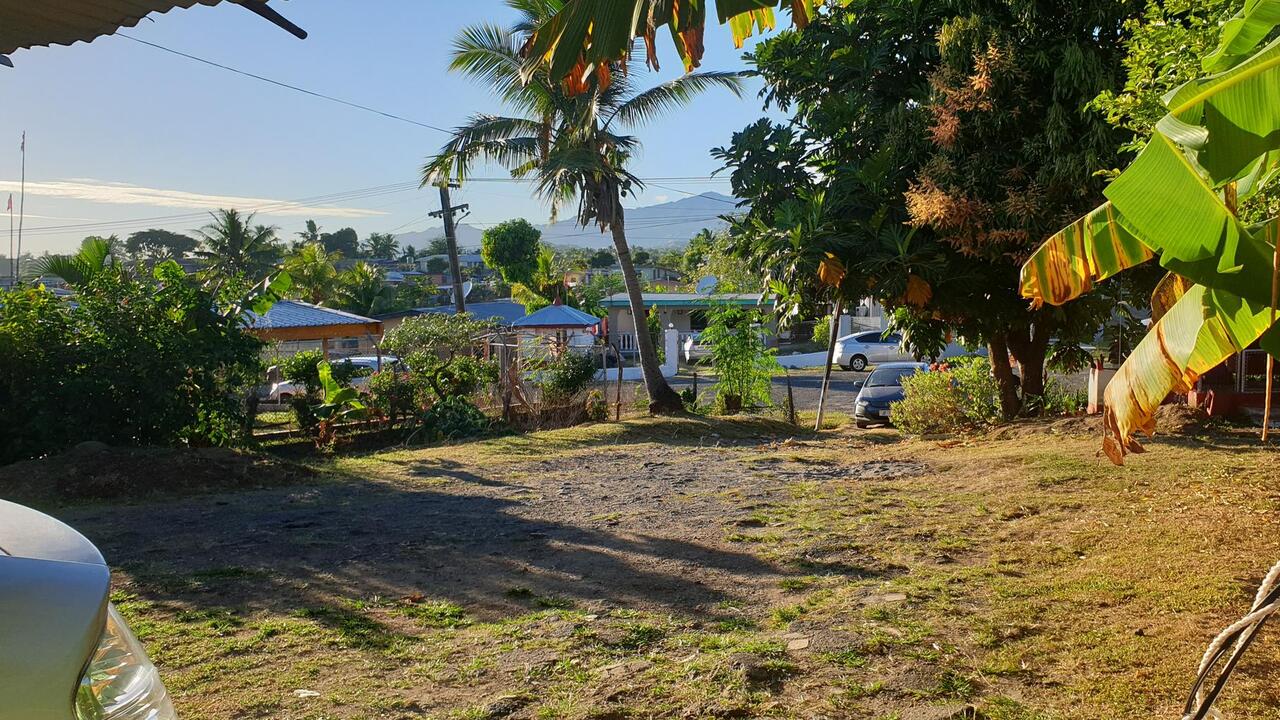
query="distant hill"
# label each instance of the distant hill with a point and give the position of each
(652, 226)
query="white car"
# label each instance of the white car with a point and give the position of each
(872, 347)
(68, 655)
(858, 351)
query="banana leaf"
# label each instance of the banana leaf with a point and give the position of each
(1084, 253)
(1167, 293)
(1242, 33)
(1228, 120)
(1202, 329)
(1162, 200)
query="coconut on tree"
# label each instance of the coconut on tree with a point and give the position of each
(568, 139)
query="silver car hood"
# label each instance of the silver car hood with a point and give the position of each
(53, 603)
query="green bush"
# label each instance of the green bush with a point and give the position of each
(958, 396)
(822, 331)
(454, 418)
(743, 362)
(134, 361)
(461, 376)
(304, 368)
(393, 395)
(597, 407)
(567, 376)
(1060, 400)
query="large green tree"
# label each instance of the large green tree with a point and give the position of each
(567, 140)
(381, 246)
(155, 245)
(964, 120)
(311, 268)
(512, 248)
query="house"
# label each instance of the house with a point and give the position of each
(294, 326)
(686, 312)
(652, 276)
(557, 325)
(1238, 386)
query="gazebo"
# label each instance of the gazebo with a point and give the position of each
(563, 323)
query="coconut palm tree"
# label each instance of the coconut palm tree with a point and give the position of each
(97, 255)
(315, 279)
(234, 246)
(381, 246)
(363, 289)
(569, 145)
(308, 236)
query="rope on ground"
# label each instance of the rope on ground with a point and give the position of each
(1266, 602)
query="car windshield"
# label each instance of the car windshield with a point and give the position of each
(889, 377)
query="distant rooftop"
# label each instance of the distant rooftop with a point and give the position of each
(505, 312)
(297, 314)
(557, 316)
(686, 299)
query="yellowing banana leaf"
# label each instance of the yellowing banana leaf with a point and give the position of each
(1201, 330)
(1163, 201)
(1167, 293)
(1242, 33)
(1226, 121)
(831, 271)
(1086, 252)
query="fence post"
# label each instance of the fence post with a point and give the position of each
(617, 408)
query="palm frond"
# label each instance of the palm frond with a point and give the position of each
(672, 95)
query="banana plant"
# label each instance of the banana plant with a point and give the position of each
(339, 403)
(1176, 203)
(1218, 144)
(582, 37)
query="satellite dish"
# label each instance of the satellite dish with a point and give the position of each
(466, 289)
(707, 285)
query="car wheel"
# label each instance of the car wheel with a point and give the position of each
(862, 424)
(857, 363)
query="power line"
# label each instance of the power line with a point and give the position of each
(286, 85)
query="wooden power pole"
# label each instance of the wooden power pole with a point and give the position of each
(446, 212)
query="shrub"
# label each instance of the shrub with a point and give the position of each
(304, 368)
(597, 407)
(1060, 400)
(461, 376)
(744, 364)
(960, 395)
(566, 376)
(393, 395)
(822, 331)
(454, 418)
(135, 361)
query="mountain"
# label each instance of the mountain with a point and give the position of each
(652, 226)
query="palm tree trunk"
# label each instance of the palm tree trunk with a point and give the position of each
(662, 399)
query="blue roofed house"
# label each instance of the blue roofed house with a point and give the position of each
(294, 326)
(504, 312)
(561, 324)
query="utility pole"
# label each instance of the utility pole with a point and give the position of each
(446, 212)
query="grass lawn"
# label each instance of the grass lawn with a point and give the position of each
(694, 568)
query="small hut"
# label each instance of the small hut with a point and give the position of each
(564, 326)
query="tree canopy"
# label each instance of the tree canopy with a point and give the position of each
(512, 249)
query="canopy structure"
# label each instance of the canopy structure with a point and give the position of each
(556, 317)
(33, 23)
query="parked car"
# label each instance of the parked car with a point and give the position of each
(881, 389)
(367, 365)
(67, 653)
(861, 350)
(280, 391)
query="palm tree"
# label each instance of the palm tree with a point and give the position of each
(94, 258)
(381, 246)
(315, 279)
(567, 144)
(308, 236)
(363, 289)
(234, 246)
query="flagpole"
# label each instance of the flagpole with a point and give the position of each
(22, 203)
(13, 268)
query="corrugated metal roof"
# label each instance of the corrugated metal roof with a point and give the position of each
(29, 23)
(557, 316)
(293, 313)
(504, 311)
(32, 23)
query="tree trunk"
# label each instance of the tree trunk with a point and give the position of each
(1030, 351)
(998, 348)
(662, 399)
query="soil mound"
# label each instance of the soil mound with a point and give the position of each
(92, 471)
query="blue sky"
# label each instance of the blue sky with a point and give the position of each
(118, 131)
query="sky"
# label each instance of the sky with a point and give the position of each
(122, 136)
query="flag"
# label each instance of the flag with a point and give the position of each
(10, 202)
(23, 146)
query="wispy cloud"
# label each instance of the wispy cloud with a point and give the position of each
(113, 193)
